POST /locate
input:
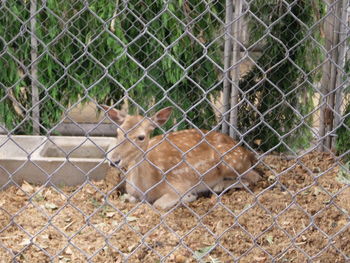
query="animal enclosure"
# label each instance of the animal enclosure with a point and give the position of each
(236, 111)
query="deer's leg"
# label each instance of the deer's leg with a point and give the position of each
(170, 199)
(252, 177)
(223, 184)
(129, 198)
(189, 197)
(219, 187)
(249, 179)
(229, 183)
(166, 201)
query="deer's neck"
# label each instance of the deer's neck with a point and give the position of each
(138, 172)
(141, 178)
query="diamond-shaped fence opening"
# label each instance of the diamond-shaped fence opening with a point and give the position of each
(69, 220)
(240, 152)
(88, 241)
(274, 241)
(163, 240)
(331, 220)
(332, 253)
(133, 243)
(43, 240)
(312, 236)
(293, 214)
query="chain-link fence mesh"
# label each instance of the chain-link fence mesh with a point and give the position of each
(272, 74)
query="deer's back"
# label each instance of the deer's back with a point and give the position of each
(189, 153)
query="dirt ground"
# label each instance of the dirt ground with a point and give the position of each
(284, 218)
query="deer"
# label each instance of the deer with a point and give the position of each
(179, 165)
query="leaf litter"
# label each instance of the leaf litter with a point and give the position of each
(256, 226)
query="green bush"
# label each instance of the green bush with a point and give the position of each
(104, 51)
(277, 91)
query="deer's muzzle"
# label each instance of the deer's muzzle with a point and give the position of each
(115, 164)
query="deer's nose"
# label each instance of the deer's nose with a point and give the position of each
(115, 164)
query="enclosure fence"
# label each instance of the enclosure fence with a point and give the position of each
(272, 74)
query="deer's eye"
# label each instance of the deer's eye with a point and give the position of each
(141, 137)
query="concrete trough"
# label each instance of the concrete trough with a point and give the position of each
(61, 161)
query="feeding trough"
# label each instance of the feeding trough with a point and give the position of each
(62, 161)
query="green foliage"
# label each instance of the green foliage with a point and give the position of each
(171, 62)
(107, 49)
(103, 50)
(278, 86)
(200, 253)
(343, 175)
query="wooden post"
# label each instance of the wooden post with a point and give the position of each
(236, 56)
(34, 69)
(342, 47)
(326, 77)
(333, 77)
(227, 66)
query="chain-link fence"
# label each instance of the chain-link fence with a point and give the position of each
(271, 74)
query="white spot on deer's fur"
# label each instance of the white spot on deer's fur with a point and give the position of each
(181, 171)
(200, 164)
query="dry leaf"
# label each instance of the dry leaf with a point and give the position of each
(213, 199)
(64, 260)
(25, 242)
(44, 246)
(90, 190)
(20, 192)
(260, 259)
(27, 187)
(68, 251)
(67, 226)
(218, 228)
(132, 247)
(100, 225)
(45, 236)
(51, 206)
(131, 218)
(269, 239)
(180, 259)
(110, 214)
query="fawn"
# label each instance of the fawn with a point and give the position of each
(178, 165)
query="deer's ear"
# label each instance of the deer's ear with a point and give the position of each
(162, 116)
(116, 115)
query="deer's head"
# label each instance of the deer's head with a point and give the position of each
(133, 134)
